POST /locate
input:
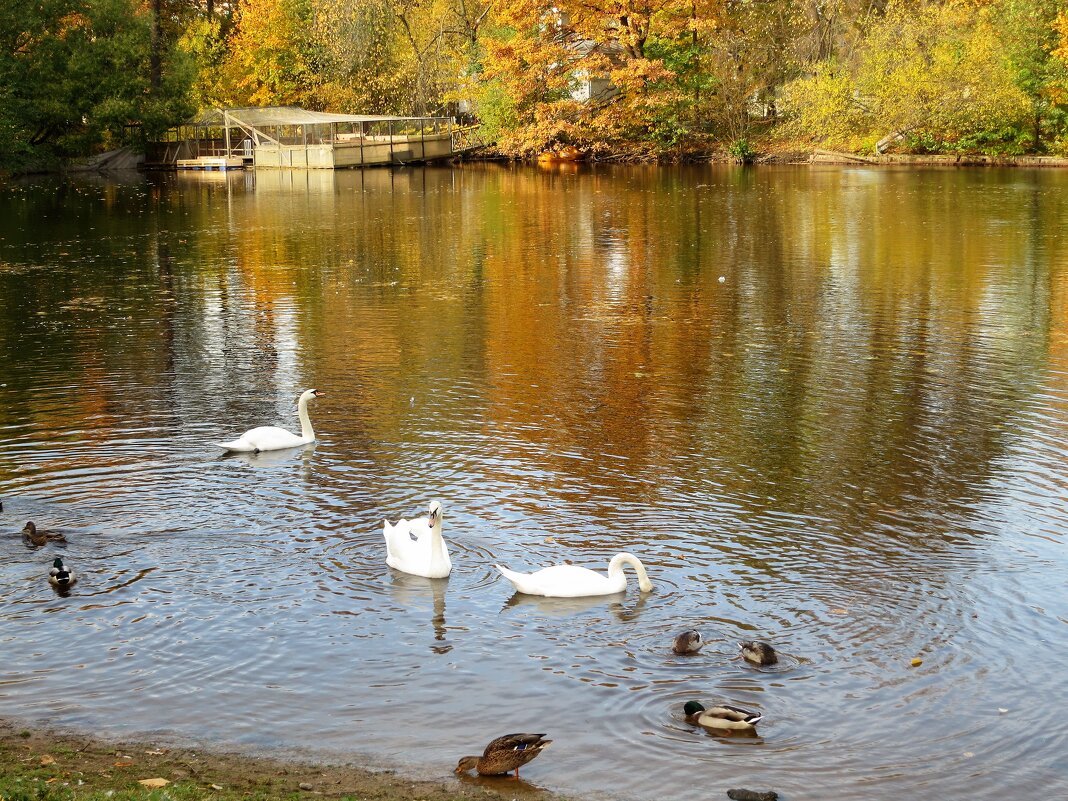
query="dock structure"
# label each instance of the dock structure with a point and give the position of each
(290, 137)
(211, 163)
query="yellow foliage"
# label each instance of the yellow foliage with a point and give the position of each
(1060, 25)
(936, 69)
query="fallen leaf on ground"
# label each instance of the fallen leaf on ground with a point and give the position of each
(122, 763)
(157, 751)
(48, 760)
(215, 787)
(153, 783)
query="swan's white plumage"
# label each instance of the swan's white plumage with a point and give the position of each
(273, 438)
(417, 547)
(572, 581)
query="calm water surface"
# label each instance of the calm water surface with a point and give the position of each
(826, 407)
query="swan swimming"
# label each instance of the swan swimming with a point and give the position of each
(273, 438)
(572, 581)
(416, 546)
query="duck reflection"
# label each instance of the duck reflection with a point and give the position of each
(409, 591)
(566, 607)
(518, 788)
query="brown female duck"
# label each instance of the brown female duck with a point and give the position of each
(38, 538)
(504, 755)
(757, 652)
(689, 642)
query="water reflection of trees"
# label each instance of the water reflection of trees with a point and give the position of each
(871, 347)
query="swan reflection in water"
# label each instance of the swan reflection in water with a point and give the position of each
(408, 591)
(566, 607)
(272, 458)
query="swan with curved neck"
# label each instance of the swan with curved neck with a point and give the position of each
(273, 438)
(416, 546)
(572, 581)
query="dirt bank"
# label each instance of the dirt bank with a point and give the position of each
(44, 765)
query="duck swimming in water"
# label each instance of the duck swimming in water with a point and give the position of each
(59, 576)
(723, 717)
(689, 642)
(39, 538)
(757, 652)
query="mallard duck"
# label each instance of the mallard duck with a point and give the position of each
(417, 547)
(59, 576)
(723, 716)
(689, 642)
(572, 581)
(30, 533)
(504, 755)
(273, 438)
(757, 652)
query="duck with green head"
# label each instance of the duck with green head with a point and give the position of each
(504, 755)
(722, 717)
(60, 576)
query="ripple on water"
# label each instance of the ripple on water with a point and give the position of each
(860, 462)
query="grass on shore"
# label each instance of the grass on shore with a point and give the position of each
(46, 766)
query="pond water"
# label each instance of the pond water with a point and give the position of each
(826, 407)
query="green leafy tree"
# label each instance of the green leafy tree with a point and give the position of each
(76, 76)
(1028, 29)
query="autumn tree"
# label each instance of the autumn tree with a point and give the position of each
(275, 58)
(541, 54)
(937, 73)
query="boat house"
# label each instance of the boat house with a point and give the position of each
(291, 137)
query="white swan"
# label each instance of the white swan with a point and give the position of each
(273, 438)
(572, 581)
(416, 546)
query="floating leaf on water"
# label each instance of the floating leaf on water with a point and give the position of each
(916, 662)
(1002, 710)
(153, 783)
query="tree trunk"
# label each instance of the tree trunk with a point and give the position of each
(156, 57)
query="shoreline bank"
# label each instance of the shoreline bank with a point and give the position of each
(41, 763)
(792, 157)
